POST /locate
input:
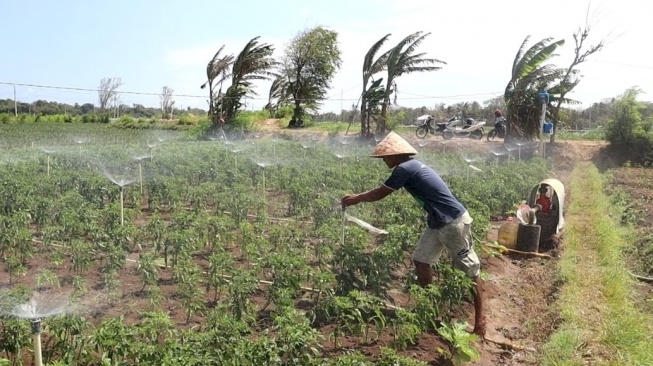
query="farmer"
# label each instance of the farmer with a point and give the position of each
(448, 222)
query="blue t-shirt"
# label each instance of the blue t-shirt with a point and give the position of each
(428, 189)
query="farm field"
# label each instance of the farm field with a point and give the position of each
(237, 253)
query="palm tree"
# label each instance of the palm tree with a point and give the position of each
(403, 60)
(278, 95)
(530, 74)
(371, 67)
(217, 71)
(253, 63)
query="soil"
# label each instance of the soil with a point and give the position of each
(519, 291)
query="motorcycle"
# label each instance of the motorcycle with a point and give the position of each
(472, 129)
(426, 127)
(499, 130)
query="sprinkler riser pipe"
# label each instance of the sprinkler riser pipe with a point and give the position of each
(140, 175)
(122, 207)
(36, 341)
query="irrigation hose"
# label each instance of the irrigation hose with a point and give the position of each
(344, 222)
(502, 249)
(641, 278)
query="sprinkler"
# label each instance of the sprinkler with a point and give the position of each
(140, 169)
(40, 306)
(236, 151)
(36, 341)
(341, 157)
(80, 142)
(519, 144)
(497, 155)
(473, 168)
(122, 183)
(48, 152)
(263, 165)
(306, 147)
(510, 149)
(151, 146)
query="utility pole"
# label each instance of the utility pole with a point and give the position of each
(341, 111)
(589, 124)
(544, 98)
(15, 103)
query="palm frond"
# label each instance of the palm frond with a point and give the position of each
(368, 62)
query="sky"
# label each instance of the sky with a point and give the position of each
(152, 43)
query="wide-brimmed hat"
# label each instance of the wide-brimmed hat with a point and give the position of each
(393, 144)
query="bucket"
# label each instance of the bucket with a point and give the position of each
(528, 238)
(508, 234)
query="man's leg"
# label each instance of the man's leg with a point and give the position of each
(479, 315)
(427, 251)
(457, 237)
(424, 273)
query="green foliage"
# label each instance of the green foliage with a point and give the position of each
(531, 74)
(459, 342)
(203, 209)
(310, 63)
(628, 132)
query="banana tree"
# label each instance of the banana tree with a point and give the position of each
(402, 59)
(530, 74)
(370, 68)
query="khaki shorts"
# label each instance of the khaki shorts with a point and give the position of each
(457, 238)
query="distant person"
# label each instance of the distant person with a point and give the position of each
(449, 224)
(221, 123)
(543, 200)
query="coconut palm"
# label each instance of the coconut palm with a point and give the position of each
(403, 60)
(217, 72)
(278, 95)
(371, 67)
(254, 62)
(530, 74)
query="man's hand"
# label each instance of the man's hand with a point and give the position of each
(350, 200)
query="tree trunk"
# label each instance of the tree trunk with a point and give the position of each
(365, 126)
(380, 126)
(554, 118)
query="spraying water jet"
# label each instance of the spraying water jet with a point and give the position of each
(122, 183)
(38, 307)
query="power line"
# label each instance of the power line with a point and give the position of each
(622, 64)
(331, 97)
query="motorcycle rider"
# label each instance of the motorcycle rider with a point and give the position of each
(499, 122)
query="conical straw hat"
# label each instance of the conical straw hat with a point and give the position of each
(393, 144)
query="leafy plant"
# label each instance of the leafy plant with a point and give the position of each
(459, 343)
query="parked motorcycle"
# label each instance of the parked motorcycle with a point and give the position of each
(472, 129)
(499, 130)
(427, 125)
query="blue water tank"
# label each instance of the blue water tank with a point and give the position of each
(544, 95)
(548, 127)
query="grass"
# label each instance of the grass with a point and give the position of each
(590, 135)
(334, 127)
(601, 323)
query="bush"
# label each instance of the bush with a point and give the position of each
(629, 134)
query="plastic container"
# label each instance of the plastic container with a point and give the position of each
(508, 234)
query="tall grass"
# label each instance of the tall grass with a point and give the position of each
(600, 322)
